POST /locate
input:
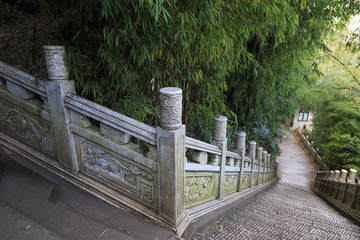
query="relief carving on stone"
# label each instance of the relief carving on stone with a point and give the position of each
(245, 181)
(170, 108)
(108, 167)
(54, 58)
(30, 129)
(231, 182)
(254, 180)
(198, 188)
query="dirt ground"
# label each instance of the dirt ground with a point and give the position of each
(23, 32)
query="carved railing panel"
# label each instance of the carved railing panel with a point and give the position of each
(118, 172)
(200, 187)
(25, 119)
(231, 182)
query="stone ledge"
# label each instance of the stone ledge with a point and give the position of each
(340, 207)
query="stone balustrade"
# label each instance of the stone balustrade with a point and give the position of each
(319, 163)
(341, 189)
(157, 171)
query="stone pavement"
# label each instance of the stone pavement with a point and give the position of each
(34, 208)
(289, 210)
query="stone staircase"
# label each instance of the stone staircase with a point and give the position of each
(32, 207)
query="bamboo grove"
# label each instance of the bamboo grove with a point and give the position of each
(244, 59)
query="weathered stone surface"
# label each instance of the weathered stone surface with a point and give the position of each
(219, 128)
(79, 119)
(54, 59)
(199, 187)
(27, 127)
(245, 181)
(129, 178)
(214, 159)
(170, 108)
(351, 176)
(240, 140)
(259, 151)
(18, 91)
(343, 175)
(152, 152)
(230, 161)
(171, 149)
(56, 92)
(231, 181)
(251, 150)
(114, 135)
(200, 157)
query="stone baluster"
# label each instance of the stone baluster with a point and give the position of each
(251, 154)
(343, 176)
(259, 151)
(351, 176)
(220, 140)
(351, 188)
(56, 90)
(171, 156)
(240, 148)
(336, 175)
(330, 182)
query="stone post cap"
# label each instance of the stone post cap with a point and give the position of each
(240, 140)
(171, 90)
(241, 134)
(219, 128)
(170, 108)
(352, 174)
(55, 64)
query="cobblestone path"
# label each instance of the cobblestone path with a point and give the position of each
(289, 210)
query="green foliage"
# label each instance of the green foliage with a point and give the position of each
(337, 133)
(243, 59)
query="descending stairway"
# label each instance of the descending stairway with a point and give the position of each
(34, 208)
(290, 210)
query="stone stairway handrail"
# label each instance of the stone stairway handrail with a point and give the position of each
(22, 79)
(111, 118)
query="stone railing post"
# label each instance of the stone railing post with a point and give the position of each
(351, 176)
(251, 154)
(240, 148)
(266, 166)
(331, 182)
(351, 188)
(220, 140)
(171, 155)
(56, 90)
(259, 151)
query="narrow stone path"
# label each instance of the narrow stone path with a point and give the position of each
(289, 210)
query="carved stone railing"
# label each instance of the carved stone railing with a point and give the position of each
(157, 171)
(341, 189)
(310, 150)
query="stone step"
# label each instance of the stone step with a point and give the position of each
(62, 211)
(14, 225)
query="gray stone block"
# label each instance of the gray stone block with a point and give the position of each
(19, 91)
(114, 135)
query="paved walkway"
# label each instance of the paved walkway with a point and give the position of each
(289, 210)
